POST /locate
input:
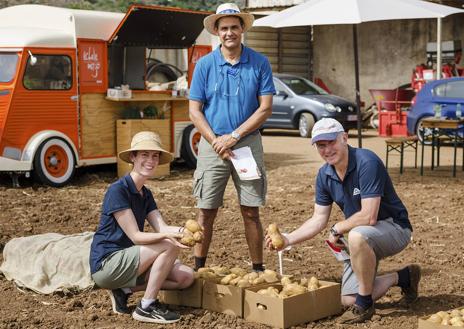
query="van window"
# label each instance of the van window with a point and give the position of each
(8, 62)
(49, 72)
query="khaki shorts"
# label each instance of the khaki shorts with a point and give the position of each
(386, 238)
(212, 174)
(119, 270)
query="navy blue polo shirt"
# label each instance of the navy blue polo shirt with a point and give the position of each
(229, 93)
(109, 236)
(366, 177)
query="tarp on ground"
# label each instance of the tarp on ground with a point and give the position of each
(50, 262)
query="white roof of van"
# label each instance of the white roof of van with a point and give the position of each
(46, 26)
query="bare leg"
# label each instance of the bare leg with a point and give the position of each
(253, 233)
(161, 257)
(206, 220)
(363, 261)
(381, 285)
(180, 277)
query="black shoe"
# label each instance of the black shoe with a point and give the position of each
(119, 301)
(155, 313)
(411, 293)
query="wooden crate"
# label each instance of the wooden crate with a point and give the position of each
(126, 129)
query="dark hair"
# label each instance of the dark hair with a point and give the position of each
(242, 23)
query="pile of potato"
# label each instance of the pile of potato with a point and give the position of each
(453, 318)
(236, 276)
(290, 288)
(192, 233)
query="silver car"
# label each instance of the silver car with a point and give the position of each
(299, 103)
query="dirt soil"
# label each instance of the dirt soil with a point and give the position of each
(434, 202)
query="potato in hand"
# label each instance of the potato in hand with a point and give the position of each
(277, 239)
(192, 233)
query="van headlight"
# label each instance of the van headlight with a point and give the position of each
(330, 107)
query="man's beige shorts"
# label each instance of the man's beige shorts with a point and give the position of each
(212, 174)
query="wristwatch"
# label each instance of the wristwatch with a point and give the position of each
(235, 135)
(334, 231)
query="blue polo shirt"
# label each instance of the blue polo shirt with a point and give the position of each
(366, 177)
(229, 93)
(109, 236)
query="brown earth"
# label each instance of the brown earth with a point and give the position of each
(434, 202)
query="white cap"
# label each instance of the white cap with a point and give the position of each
(228, 9)
(326, 129)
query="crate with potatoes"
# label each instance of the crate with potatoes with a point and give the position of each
(224, 288)
(292, 302)
(443, 319)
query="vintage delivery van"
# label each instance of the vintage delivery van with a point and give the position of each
(58, 68)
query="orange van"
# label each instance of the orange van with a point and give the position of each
(58, 68)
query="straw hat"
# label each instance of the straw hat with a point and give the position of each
(146, 141)
(228, 9)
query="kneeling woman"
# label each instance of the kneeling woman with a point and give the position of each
(124, 258)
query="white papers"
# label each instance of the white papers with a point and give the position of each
(244, 164)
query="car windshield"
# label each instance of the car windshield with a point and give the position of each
(8, 62)
(301, 86)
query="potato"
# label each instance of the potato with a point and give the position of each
(204, 269)
(261, 307)
(238, 271)
(210, 276)
(277, 240)
(251, 276)
(443, 314)
(220, 270)
(435, 318)
(226, 280)
(293, 289)
(455, 320)
(455, 313)
(192, 226)
(312, 287)
(285, 281)
(257, 281)
(198, 236)
(188, 240)
(269, 277)
(234, 282)
(458, 324)
(243, 283)
(304, 281)
(313, 284)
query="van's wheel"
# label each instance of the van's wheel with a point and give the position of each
(189, 149)
(54, 162)
(305, 124)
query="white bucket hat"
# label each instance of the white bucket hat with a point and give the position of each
(146, 141)
(326, 129)
(228, 9)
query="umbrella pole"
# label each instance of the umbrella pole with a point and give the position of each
(356, 75)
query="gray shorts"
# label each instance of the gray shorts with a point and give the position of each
(386, 238)
(119, 270)
(212, 174)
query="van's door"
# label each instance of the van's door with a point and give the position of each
(45, 97)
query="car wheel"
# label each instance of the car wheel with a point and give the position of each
(427, 132)
(189, 149)
(54, 162)
(305, 124)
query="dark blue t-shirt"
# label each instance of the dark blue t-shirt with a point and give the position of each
(366, 177)
(109, 236)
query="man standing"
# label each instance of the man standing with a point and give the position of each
(230, 98)
(376, 221)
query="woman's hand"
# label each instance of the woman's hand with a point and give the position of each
(173, 238)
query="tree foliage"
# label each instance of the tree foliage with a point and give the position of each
(122, 5)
